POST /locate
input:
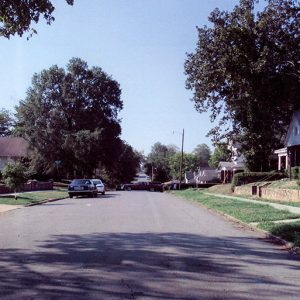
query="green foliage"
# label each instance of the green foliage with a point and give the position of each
(248, 177)
(158, 161)
(14, 175)
(71, 116)
(221, 153)
(202, 154)
(126, 166)
(190, 163)
(245, 70)
(6, 122)
(16, 16)
(289, 232)
(245, 211)
(295, 172)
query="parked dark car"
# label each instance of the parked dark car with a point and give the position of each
(144, 186)
(82, 187)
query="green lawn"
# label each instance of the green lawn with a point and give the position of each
(244, 211)
(289, 232)
(32, 197)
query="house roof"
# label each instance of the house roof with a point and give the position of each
(230, 165)
(13, 147)
(293, 134)
(189, 175)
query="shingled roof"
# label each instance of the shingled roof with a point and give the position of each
(13, 147)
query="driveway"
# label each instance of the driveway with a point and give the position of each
(138, 245)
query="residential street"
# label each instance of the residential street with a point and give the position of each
(137, 245)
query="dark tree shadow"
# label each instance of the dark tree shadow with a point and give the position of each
(147, 266)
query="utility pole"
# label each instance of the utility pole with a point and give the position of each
(181, 160)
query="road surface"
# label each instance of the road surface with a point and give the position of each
(137, 245)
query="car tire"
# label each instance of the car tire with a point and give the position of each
(103, 193)
(152, 190)
(71, 196)
(129, 189)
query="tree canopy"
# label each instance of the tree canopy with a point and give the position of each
(202, 155)
(245, 71)
(158, 161)
(6, 122)
(16, 16)
(71, 116)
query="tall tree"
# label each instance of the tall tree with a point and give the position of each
(157, 162)
(6, 122)
(16, 16)
(126, 165)
(190, 163)
(221, 153)
(202, 154)
(245, 70)
(71, 117)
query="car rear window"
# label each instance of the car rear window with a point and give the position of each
(80, 181)
(97, 181)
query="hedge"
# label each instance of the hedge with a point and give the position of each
(248, 177)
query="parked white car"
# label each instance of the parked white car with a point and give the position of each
(99, 185)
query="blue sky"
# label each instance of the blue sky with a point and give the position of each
(141, 43)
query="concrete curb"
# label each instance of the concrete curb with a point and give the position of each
(31, 204)
(266, 235)
(44, 201)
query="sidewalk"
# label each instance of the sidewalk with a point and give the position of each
(5, 207)
(291, 209)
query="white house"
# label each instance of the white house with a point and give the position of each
(290, 154)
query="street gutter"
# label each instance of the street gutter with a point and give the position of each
(270, 237)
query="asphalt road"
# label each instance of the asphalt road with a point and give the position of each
(137, 245)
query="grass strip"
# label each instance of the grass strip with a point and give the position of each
(245, 211)
(32, 197)
(289, 232)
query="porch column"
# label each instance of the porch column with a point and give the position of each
(286, 162)
(279, 162)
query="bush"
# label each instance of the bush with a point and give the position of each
(249, 177)
(295, 172)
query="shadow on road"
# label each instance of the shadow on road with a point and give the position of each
(147, 265)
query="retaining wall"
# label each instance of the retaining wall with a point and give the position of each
(269, 193)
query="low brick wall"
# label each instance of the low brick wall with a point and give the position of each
(29, 186)
(280, 194)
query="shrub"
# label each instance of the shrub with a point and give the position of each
(248, 177)
(14, 175)
(295, 172)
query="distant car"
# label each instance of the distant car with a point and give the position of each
(120, 187)
(99, 185)
(82, 187)
(144, 186)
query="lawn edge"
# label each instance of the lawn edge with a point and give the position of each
(266, 235)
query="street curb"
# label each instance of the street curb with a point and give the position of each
(44, 201)
(268, 236)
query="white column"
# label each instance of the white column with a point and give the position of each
(279, 162)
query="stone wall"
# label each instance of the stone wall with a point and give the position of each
(269, 193)
(243, 190)
(280, 194)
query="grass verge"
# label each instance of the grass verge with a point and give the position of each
(32, 197)
(289, 232)
(244, 211)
